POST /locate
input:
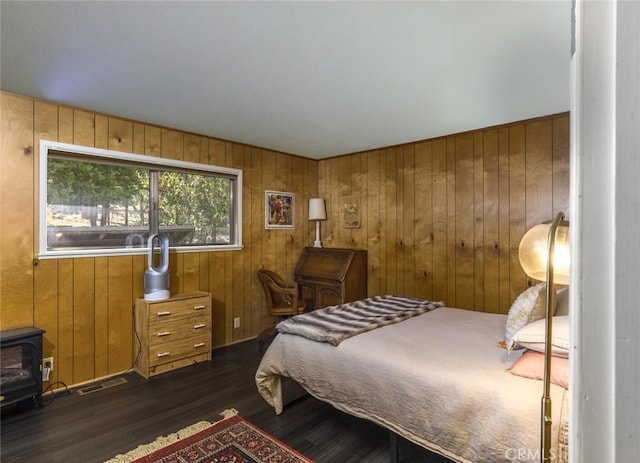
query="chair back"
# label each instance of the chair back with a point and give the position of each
(281, 295)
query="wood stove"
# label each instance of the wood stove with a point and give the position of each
(21, 366)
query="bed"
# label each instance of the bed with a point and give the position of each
(437, 378)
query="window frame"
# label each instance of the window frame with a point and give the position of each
(47, 147)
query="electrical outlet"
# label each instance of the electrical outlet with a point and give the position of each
(47, 363)
(236, 322)
(47, 368)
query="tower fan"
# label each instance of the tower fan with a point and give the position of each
(156, 278)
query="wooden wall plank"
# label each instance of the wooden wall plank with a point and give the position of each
(478, 221)
(464, 246)
(216, 153)
(259, 317)
(517, 206)
(342, 190)
(504, 225)
(217, 287)
(190, 272)
(46, 299)
(83, 320)
(390, 218)
(152, 141)
(238, 287)
(372, 217)
(65, 124)
(538, 172)
(45, 128)
(399, 207)
(561, 153)
(358, 185)
(172, 144)
(491, 221)
(84, 128)
(191, 148)
(408, 218)
(101, 131)
(101, 314)
(423, 271)
(451, 241)
(138, 138)
(120, 135)
(121, 300)
(45, 121)
(140, 264)
(439, 214)
(16, 211)
(65, 322)
(176, 267)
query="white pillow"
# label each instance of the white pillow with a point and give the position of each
(528, 307)
(532, 336)
(562, 302)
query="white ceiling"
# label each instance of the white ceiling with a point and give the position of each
(316, 79)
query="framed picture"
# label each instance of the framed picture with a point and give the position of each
(278, 209)
(351, 211)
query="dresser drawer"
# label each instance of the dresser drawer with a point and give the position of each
(177, 329)
(179, 349)
(163, 312)
(173, 333)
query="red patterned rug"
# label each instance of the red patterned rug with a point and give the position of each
(232, 440)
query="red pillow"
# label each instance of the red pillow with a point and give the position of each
(531, 365)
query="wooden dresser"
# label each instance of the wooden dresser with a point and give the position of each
(173, 333)
(330, 276)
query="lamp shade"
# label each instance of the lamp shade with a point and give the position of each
(534, 251)
(317, 210)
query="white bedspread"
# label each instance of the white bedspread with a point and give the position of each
(437, 379)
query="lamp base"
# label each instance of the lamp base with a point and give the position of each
(317, 243)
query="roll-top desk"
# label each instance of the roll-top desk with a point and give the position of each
(330, 276)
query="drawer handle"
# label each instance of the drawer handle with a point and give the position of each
(163, 354)
(164, 333)
(200, 344)
(164, 314)
(199, 307)
(199, 325)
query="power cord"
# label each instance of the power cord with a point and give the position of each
(138, 341)
(54, 394)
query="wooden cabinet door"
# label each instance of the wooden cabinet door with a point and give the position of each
(307, 293)
(329, 295)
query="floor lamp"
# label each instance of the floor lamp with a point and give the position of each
(544, 256)
(317, 212)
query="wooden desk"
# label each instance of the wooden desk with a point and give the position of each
(330, 276)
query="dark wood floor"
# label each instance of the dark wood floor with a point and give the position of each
(95, 427)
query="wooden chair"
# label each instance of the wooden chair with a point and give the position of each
(282, 299)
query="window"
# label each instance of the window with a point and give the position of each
(95, 201)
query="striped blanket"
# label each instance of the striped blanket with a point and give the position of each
(336, 323)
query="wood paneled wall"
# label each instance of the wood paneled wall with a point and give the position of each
(442, 218)
(85, 304)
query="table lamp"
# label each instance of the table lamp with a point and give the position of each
(317, 212)
(544, 256)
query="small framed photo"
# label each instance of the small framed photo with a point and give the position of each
(279, 209)
(351, 211)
